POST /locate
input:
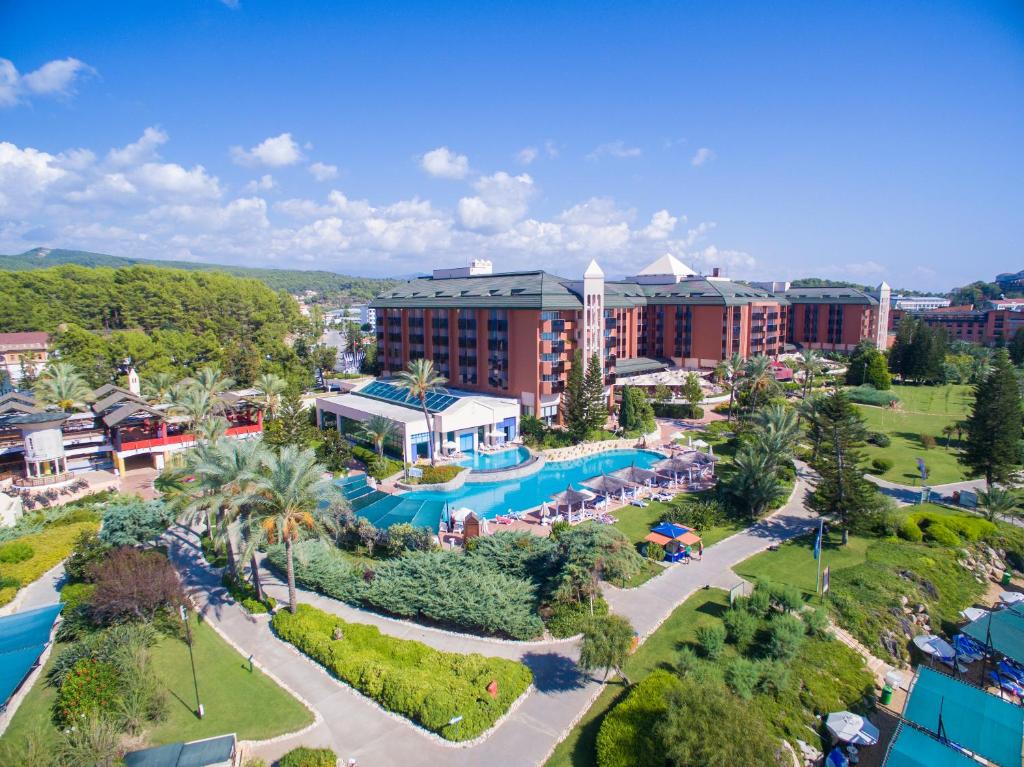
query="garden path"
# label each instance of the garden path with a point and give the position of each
(908, 494)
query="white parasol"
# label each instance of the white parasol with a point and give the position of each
(848, 727)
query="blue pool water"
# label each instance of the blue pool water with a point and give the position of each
(500, 460)
(423, 509)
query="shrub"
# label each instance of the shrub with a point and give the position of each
(937, 532)
(107, 646)
(910, 531)
(785, 637)
(742, 676)
(677, 410)
(696, 514)
(606, 643)
(15, 551)
(522, 555)
(869, 395)
(75, 616)
(91, 687)
(570, 618)
(784, 596)
(879, 438)
(244, 593)
(129, 521)
(774, 677)
(590, 545)
(409, 678)
(624, 739)
(309, 757)
(95, 741)
(816, 622)
(320, 567)
(133, 585)
(970, 527)
(740, 627)
(435, 475)
(927, 441)
(89, 549)
(881, 465)
(50, 546)
(711, 640)
(759, 603)
(686, 660)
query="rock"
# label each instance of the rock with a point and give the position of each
(922, 609)
(999, 565)
(979, 579)
(903, 600)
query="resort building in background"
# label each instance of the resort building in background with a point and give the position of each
(965, 323)
(515, 334)
(918, 303)
(23, 353)
(119, 430)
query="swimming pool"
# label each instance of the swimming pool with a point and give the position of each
(500, 460)
(487, 499)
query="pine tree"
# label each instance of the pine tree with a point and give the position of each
(842, 490)
(860, 357)
(877, 372)
(596, 413)
(899, 352)
(626, 415)
(1017, 347)
(994, 425)
(573, 402)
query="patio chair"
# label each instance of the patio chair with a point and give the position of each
(639, 502)
(502, 519)
(1005, 683)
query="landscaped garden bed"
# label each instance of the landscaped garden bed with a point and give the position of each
(29, 556)
(429, 687)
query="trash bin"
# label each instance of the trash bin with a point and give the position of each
(1006, 578)
(886, 695)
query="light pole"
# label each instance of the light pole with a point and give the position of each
(192, 658)
(454, 721)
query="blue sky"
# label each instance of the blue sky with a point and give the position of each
(865, 141)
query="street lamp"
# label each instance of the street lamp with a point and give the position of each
(454, 721)
(192, 658)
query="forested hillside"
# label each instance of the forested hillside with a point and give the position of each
(158, 319)
(331, 287)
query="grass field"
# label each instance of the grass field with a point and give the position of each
(923, 410)
(249, 704)
(794, 562)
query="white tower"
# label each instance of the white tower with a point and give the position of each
(593, 314)
(882, 331)
(134, 385)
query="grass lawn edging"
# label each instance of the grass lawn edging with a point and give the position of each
(479, 737)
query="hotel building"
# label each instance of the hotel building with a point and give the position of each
(514, 334)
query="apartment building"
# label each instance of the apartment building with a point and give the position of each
(22, 353)
(837, 318)
(965, 323)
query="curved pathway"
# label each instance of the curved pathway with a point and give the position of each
(911, 494)
(355, 727)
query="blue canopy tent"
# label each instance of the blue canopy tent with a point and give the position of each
(23, 637)
(966, 715)
(913, 748)
(1002, 631)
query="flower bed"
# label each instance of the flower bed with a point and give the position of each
(409, 678)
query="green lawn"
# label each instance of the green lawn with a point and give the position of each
(923, 410)
(249, 704)
(794, 562)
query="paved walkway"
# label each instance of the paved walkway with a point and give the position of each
(354, 727)
(911, 494)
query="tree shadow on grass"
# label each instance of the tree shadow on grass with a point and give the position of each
(553, 672)
(714, 609)
(584, 750)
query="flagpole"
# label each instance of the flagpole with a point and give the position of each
(817, 548)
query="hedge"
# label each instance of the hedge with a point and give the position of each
(677, 410)
(867, 394)
(624, 739)
(409, 678)
(435, 475)
(309, 757)
(971, 528)
(446, 588)
(49, 548)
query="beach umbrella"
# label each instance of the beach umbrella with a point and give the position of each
(445, 513)
(571, 497)
(848, 727)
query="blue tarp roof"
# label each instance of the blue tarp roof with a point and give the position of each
(913, 748)
(23, 637)
(971, 717)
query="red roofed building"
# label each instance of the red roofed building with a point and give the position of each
(23, 352)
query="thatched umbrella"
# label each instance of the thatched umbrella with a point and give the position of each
(570, 497)
(635, 474)
(608, 485)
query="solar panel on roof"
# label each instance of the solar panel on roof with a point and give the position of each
(436, 401)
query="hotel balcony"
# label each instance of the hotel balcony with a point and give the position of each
(552, 387)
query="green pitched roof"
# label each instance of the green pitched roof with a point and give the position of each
(829, 296)
(707, 292)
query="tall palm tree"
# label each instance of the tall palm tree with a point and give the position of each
(212, 430)
(421, 380)
(997, 502)
(809, 362)
(728, 373)
(270, 387)
(754, 483)
(777, 433)
(157, 388)
(61, 385)
(758, 378)
(284, 503)
(378, 430)
(210, 380)
(196, 403)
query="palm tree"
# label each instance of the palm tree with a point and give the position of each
(777, 432)
(284, 502)
(810, 410)
(270, 387)
(727, 372)
(212, 430)
(157, 388)
(758, 378)
(210, 380)
(61, 385)
(810, 363)
(754, 483)
(378, 430)
(420, 380)
(195, 403)
(997, 502)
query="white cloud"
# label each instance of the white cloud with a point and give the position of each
(702, 156)
(661, 227)
(25, 174)
(263, 184)
(527, 155)
(617, 149)
(110, 187)
(274, 152)
(138, 151)
(323, 172)
(54, 78)
(444, 163)
(501, 200)
(550, 149)
(172, 179)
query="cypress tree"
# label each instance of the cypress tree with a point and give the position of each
(626, 414)
(596, 412)
(877, 372)
(900, 349)
(573, 404)
(994, 425)
(842, 489)
(1017, 347)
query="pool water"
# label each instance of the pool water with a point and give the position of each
(500, 460)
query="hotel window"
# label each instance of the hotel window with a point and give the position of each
(548, 413)
(417, 336)
(439, 343)
(497, 348)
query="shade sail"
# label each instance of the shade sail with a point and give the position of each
(913, 748)
(971, 717)
(1005, 629)
(23, 637)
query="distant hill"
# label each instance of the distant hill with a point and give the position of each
(331, 287)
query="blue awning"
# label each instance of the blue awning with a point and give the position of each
(23, 637)
(913, 748)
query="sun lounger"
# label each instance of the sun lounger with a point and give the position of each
(1005, 683)
(639, 502)
(501, 519)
